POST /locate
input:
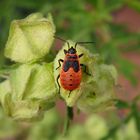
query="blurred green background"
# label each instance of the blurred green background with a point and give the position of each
(85, 20)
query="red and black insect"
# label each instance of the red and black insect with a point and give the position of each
(71, 72)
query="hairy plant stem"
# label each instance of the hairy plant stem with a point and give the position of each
(69, 118)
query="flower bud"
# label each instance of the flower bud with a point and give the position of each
(99, 93)
(65, 93)
(96, 125)
(30, 39)
(29, 91)
(96, 91)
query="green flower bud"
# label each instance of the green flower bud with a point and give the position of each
(65, 93)
(96, 92)
(29, 91)
(99, 93)
(96, 125)
(50, 122)
(30, 39)
(76, 132)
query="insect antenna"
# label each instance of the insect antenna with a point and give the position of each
(82, 43)
(63, 41)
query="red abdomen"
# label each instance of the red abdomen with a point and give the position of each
(70, 80)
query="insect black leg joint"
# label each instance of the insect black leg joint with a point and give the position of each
(60, 60)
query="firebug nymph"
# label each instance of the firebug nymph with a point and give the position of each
(71, 72)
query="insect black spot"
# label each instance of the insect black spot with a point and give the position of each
(75, 66)
(71, 64)
(70, 75)
(71, 79)
(70, 84)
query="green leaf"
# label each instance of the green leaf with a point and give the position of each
(114, 5)
(127, 68)
(136, 114)
(121, 104)
(135, 4)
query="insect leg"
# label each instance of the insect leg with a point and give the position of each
(81, 55)
(60, 60)
(85, 69)
(69, 93)
(65, 51)
(58, 83)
